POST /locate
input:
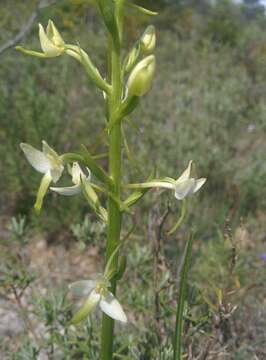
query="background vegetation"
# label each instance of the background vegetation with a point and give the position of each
(208, 103)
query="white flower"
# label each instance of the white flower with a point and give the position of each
(47, 162)
(186, 185)
(77, 176)
(97, 293)
(51, 42)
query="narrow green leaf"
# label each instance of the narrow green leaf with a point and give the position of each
(94, 167)
(180, 219)
(121, 267)
(128, 106)
(93, 200)
(142, 9)
(107, 11)
(177, 344)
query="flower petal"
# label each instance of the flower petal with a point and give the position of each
(55, 161)
(36, 158)
(67, 191)
(76, 173)
(112, 308)
(49, 152)
(46, 44)
(82, 288)
(44, 186)
(199, 183)
(88, 306)
(53, 34)
(184, 188)
(56, 172)
(186, 174)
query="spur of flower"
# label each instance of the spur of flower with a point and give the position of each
(96, 293)
(77, 177)
(47, 162)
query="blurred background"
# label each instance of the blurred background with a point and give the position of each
(208, 103)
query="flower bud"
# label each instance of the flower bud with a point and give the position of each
(148, 40)
(140, 79)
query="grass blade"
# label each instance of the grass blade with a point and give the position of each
(182, 297)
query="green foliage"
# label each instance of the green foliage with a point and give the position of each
(89, 232)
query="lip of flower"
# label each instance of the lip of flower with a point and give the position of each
(97, 293)
(47, 162)
(77, 176)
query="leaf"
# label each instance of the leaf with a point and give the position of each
(142, 9)
(93, 200)
(128, 106)
(121, 268)
(97, 170)
(180, 219)
(177, 344)
(107, 11)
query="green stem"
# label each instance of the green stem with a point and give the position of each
(114, 213)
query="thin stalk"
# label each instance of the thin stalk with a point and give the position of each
(114, 213)
(182, 293)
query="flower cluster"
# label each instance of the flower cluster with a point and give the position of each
(137, 75)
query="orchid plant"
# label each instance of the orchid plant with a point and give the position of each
(126, 81)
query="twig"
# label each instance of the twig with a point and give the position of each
(158, 263)
(26, 318)
(27, 26)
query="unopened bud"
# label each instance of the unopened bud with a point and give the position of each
(148, 40)
(140, 79)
